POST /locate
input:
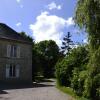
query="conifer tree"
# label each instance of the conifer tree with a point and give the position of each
(66, 44)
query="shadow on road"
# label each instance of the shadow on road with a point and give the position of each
(3, 92)
(44, 83)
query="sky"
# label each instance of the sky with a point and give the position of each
(42, 19)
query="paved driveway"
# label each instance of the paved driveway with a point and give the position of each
(41, 91)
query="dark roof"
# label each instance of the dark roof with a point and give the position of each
(8, 33)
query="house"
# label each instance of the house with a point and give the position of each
(15, 56)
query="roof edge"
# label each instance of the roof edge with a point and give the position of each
(16, 40)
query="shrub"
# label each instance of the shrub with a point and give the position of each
(63, 73)
(64, 69)
(87, 87)
(74, 81)
(98, 93)
(77, 82)
(92, 83)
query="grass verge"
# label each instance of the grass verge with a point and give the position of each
(69, 91)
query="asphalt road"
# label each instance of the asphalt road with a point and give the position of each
(41, 91)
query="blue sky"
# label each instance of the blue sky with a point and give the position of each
(42, 19)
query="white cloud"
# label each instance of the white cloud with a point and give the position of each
(85, 41)
(18, 1)
(70, 21)
(53, 5)
(49, 27)
(18, 24)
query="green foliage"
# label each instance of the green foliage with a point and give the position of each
(36, 69)
(46, 54)
(66, 90)
(74, 81)
(66, 44)
(87, 16)
(77, 81)
(63, 73)
(26, 36)
(79, 69)
(76, 59)
(73, 71)
(98, 93)
(92, 83)
(87, 87)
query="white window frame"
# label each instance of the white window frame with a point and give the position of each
(8, 50)
(11, 51)
(8, 66)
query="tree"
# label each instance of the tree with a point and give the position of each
(76, 59)
(47, 55)
(66, 44)
(26, 36)
(88, 17)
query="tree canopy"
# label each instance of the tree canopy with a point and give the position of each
(81, 68)
(26, 36)
(47, 56)
(87, 17)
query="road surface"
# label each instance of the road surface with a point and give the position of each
(42, 91)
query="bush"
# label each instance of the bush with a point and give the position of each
(63, 73)
(77, 81)
(64, 69)
(92, 83)
(98, 93)
(91, 87)
(87, 87)
(74, 81)
(96, 86)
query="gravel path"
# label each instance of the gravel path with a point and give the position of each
(41, 91)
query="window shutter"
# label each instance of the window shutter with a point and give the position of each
(18, 52)
(17, 71)
(8, 50)
(7, 70)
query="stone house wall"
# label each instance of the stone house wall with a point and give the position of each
(25, 61)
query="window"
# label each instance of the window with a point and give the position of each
(13, 51)
(12, 71)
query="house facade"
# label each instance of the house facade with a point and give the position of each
(15, 56)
